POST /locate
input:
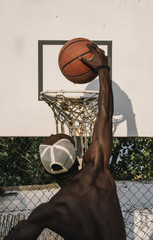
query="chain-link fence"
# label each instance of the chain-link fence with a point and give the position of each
(25, 184)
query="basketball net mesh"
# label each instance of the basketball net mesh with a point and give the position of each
(74, 115)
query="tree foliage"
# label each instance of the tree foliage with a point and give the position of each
(20, 162)
(132, 158)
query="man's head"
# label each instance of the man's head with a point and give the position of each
(58, 154)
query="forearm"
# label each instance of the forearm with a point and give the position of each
(103, 125)
(102, 133)
(105, 101)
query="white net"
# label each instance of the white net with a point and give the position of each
(74, 112)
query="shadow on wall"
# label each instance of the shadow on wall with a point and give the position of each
(123, 110)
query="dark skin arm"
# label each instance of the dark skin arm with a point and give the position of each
(101, 146)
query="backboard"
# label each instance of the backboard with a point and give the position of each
(49, 75)
(32, 34)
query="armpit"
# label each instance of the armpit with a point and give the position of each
(94, 155)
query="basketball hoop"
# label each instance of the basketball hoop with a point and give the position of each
(75, 113)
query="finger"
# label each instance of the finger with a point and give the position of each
(90, 47)
(86, 62)
(94, 46)
(102, 51)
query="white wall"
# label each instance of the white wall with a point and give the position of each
(127, 23)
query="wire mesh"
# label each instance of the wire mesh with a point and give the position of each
(25, 184)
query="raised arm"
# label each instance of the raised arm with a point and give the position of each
(102, 135)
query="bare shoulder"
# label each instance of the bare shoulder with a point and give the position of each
(94, 155)
(62, 202)
(94, 161)
(64, 210)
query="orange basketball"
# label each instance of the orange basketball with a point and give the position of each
(70, 64)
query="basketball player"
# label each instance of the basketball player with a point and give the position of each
(87, 206)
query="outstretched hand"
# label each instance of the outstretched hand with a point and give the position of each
(98, 58)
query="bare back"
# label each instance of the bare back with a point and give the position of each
(97, 214)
